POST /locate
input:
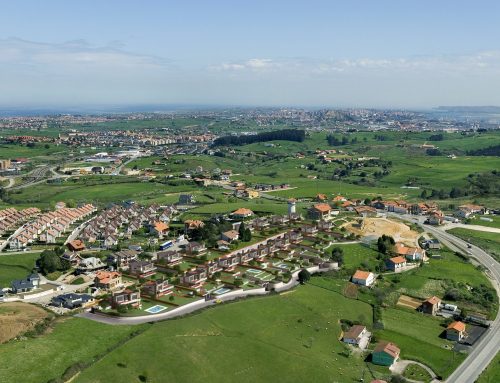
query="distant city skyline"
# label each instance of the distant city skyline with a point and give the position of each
(380, 54)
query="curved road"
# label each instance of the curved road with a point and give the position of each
(488, 345)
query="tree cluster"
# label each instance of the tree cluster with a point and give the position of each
(493, 150)
(385, 244)
(285, 135)
(51, 261)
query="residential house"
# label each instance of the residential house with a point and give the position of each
(396, 263)
(110, 241)
(282, 219)
(229, 262)
(186, 199)
(126, 297)
(142, 269)
(192, 224)
(157, 288)
(433, 244)
(456, 331)
(222, 245)
(195, 248)
(212, 267)
(320, 211)
(325, 225)
(90, 264)
(72, 301)
(73, 258)
(76, 245)
(194, 278)
(159, 229)
(431, 305)
(385, 354)
(354, 335)
(465, 211)
(108, 280)
(363, 278)
(412, 254)
(31, 282)
(230, 236)
(321, 197)
(339, 198)
(123, 258)
(251, 194)
(436, 218)
(170, 257)
(309, 229)
(242, 213)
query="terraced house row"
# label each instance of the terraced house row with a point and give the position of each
(47, 227)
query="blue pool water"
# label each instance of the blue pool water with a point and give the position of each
(155, 309)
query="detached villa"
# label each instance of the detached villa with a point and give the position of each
(363, 278)
(385, 354)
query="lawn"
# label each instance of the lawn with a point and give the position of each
(418, 337)
(290, 337)
(46, 357)
(415, 372)
(489, 242)
(357, 255)
(492, 373)
(432, 279)
(476, 220)
(16, 266)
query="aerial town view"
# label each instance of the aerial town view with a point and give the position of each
(262, 192)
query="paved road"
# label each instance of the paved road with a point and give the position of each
(487, 347)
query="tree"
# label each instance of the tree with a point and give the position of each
(385, 244)
(423, 195)
(49, 262)
(304, 276)
(337, 255)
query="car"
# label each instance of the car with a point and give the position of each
(469, 246)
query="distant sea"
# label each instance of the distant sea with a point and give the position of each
(100, 109)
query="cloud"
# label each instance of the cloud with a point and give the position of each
(81, 72)
(72, 54)
(489, 60)
(254, 65)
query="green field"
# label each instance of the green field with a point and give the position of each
(477, 221)
(418, 336)
(72, 341)
(15, 266)
(292, 338)
(492, 373)
(490, 242)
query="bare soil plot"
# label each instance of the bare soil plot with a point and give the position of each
(406, 301)
(351, 291)
(375, 227)
(16, 318)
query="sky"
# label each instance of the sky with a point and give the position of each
(314, 53)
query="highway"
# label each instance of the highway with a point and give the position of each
(488, 345)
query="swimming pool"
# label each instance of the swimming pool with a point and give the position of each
(221, 290)
(155, 309)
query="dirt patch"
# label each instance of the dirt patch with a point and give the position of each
(375, 227)
(351, 291)
(409, 302)
(16, 318)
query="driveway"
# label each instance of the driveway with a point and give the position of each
(400, 366)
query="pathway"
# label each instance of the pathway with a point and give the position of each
(400, 366)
